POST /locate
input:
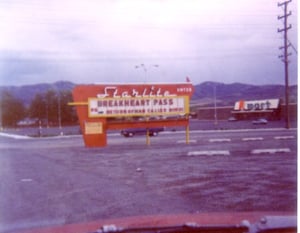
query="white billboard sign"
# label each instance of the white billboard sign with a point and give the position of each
(256, 105)
(151, 106)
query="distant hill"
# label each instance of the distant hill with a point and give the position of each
(228, 94)
(26, 93)
(205, 93)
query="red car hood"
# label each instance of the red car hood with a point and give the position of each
(162, 220)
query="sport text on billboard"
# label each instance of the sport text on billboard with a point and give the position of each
(256, 105)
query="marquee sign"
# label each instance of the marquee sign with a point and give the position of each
(96, 103)
(149, 106)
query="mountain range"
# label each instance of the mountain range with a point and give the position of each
(227, 94)
(206, 93)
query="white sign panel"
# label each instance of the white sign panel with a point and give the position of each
(113, 107)
(256, 105)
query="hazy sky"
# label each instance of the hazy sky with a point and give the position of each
(88, 41)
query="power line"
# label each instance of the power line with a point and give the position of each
(293, 47)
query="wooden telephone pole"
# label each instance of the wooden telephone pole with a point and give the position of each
(284, 57)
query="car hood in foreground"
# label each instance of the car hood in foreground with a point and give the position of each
(250, 220)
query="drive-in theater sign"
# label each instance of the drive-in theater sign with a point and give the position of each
(118, 106)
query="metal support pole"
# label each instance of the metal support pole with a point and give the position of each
(187, 134)
(148, 138)
(147, 134)
(215, 105)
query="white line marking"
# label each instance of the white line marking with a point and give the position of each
(283, 137)
(220, 140)
(271, 151)
(26, 180)
(15, 136)
(208, 152)
(253, 139)
(184, 141)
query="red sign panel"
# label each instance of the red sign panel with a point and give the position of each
(95, 103)
(136, 90)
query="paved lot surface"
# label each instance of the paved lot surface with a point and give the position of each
(194, 125)
(55, 181)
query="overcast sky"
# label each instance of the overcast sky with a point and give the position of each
(89, 41)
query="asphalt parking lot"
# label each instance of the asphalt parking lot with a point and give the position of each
(52, 181)
(195, 124)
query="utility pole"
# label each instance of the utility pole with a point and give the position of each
(284, 57)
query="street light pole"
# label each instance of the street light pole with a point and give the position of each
(144, 67)
(59, 110)
(215, 104)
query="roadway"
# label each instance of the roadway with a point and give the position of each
(56, 181)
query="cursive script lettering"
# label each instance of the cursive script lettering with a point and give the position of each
(113, 92)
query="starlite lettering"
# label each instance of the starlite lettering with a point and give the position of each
(113, 92)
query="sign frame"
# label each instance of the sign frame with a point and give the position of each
(148, 109)
(95, 126)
